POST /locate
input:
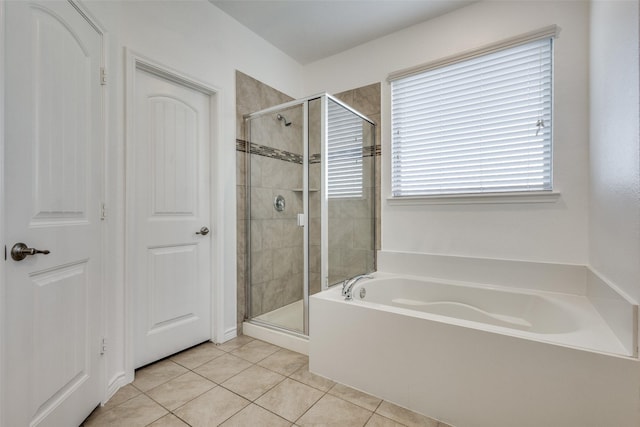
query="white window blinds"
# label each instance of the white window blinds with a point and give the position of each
(481, 125)
(344, 155)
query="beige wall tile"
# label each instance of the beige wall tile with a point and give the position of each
(366, 99)
(261, 266)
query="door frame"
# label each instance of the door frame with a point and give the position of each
(133, 62)
(104, 103)
(2, 214)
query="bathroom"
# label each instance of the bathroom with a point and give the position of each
(591, 228)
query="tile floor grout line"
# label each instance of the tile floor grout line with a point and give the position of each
(227, 379)
(270, 411)
(297, 419)
(234, 414)
(298, 369)
(253, 401)
(195, 367)
(300, 382)
(309, 408)
(171, 410)
(354, 403)
(115, 406)
(181, 419)
(162, 416)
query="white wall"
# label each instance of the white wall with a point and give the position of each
(555, 232)
(198, 40)
(614, 223)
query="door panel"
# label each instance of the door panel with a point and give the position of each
(171, 272)
(172, 305)
(60, 331)
(62, 72)
(175, 180)
(53, 166)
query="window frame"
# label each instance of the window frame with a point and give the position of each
(520, 196)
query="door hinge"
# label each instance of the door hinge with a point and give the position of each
(103, 211)
(103, 76)
(103, 346)
(5, 252)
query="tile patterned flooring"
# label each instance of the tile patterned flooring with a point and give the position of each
(244, 382)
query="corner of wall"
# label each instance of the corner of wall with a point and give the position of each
(617, 309)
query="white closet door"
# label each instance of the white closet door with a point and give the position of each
(171, 262)
(53, 187)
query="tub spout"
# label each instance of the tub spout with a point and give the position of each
(348, 284)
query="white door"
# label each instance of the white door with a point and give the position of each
(171, 264)
(53, 187)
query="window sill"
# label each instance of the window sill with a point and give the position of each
(472, 199)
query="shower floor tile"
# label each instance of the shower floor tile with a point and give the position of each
(210, 386)
(290, 316)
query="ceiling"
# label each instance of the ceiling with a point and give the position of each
(309, 30)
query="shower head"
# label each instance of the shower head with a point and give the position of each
(283, 119)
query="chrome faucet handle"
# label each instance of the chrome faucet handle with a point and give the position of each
(350, 283)
(344, 286)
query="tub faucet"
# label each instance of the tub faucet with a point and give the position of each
(348, 284)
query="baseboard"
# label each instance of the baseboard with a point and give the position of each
(117, 381)
(230, 334)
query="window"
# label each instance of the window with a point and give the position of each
(344, 155)
(477, 125)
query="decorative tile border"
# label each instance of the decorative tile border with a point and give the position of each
(314, 159)
(274, 153)
(263, 150)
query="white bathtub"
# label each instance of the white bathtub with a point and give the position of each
(473, 355)
(563, 319)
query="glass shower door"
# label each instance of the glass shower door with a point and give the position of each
(349, 193)
(275, 200)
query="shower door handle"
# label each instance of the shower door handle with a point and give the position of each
(300, 220)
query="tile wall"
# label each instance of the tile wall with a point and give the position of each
(276, 169)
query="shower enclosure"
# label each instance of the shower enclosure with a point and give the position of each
(310, 206)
